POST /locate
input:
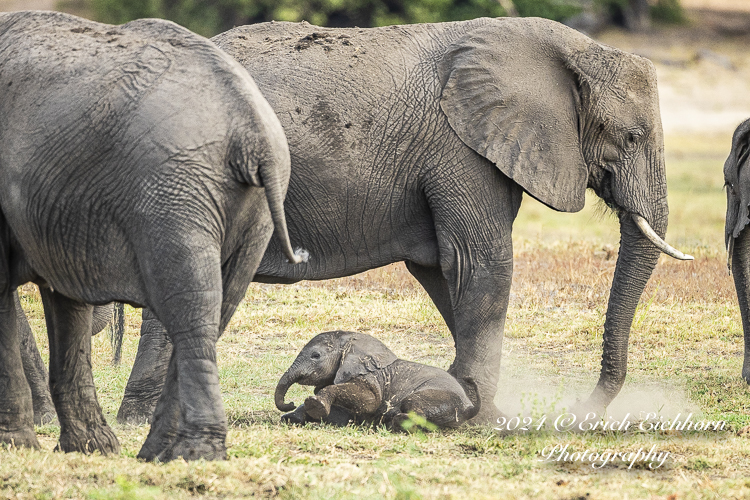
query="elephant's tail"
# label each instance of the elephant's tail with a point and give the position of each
(472, 392)
(275, 197)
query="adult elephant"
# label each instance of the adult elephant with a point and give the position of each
(139, 163)
(737, 234)
(416, 143)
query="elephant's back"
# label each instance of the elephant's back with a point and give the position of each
(305, 56)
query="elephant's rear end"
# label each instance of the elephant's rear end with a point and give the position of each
(136, 131)
(140, 164)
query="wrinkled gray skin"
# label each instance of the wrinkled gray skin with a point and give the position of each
(33, 365)
(416, 143)
(131, 169)
(737, 233)
(366, 383)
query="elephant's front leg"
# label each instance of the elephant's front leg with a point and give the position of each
(337, 416)
(473, 224)
(166, 416)
(480, 320)
(82, 424)
(357, 397)
(741, 272)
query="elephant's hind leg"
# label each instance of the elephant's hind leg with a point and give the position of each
(440, 407)
(166, 417)
(34, 369)
(149, 371)
(16, 410)
(82, 424)
(192, 392)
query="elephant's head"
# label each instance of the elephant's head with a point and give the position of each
(737, 184)
(559, 113)
(333, 358)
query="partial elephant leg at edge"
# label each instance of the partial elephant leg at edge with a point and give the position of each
(741, 274)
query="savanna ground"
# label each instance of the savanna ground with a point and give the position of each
(685, 349)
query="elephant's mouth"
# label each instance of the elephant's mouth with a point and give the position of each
(659, 243)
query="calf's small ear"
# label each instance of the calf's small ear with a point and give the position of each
(362, 354)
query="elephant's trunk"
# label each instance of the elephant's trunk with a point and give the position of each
(290, 377)
(741, 271)
(635, 263)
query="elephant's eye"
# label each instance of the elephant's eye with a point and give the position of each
(631, 139)
(315, 355)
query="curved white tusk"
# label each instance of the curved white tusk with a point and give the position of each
(659, 243)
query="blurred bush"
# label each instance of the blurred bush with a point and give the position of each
(668, 11)
(209, 17)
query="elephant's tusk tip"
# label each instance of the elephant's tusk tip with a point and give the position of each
(654, 238)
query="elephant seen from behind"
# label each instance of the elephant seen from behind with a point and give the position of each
(358, 379)
(417, 143)
(141, 164)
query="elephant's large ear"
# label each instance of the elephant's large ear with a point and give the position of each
(512, 97)
(737, 179)
(361, 355)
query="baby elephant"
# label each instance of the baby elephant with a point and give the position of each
(357, 378)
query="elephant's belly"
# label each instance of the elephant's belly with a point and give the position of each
(338, 258)
(90, 273)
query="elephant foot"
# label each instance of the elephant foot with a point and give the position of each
(746, 372)
(586, 411)
(205, 445)
(296, 417)
(135, 413)
(25, 438)
(491, 416)
(398, 424)
(88, 440)
(316, 408)
(155, 444)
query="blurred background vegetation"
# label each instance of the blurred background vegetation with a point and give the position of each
(209, 17)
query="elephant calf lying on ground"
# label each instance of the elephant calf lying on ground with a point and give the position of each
(357, 378)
